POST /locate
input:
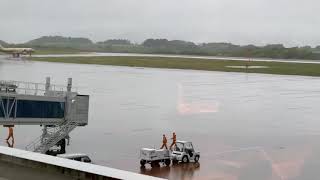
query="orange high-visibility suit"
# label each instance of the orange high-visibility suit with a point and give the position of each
(164, 142)
(174, 140)
(10, 135)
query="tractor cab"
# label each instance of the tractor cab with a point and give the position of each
(184, 152)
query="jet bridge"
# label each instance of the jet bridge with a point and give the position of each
(24, 103)
(60, 109)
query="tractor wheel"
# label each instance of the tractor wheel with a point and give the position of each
(143, 162)
(196, 159)
(185, 159)
(167, 162)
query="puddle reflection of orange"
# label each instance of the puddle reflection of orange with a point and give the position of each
(233, 164)
(185, 108)
(290, 164)
(196, 108)
(178, 171)
(285, 165)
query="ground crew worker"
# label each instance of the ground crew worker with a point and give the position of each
(10, 135)
(174, 140)
(164, 142)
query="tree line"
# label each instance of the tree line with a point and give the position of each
(165, 46)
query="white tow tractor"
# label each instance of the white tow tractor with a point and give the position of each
(154, 157)
(183, 152)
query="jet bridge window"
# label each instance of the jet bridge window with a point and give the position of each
(40, 109)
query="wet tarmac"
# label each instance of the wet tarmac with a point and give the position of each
(246, 126)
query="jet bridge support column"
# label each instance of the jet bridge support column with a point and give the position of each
(69, 86)
(47, 84)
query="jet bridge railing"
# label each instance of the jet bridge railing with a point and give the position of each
(30, 88)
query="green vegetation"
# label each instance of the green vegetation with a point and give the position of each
(59, 41)
(59, 44)
(196, 64)
(115, 42)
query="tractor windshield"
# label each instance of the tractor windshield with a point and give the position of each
(189, 146)
(179, 147)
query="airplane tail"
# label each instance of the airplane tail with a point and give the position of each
(1, 47)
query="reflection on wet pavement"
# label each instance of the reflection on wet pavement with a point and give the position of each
(246, 126)
(10, 143)
(178, 171)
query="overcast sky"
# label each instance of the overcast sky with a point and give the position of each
(292, 22)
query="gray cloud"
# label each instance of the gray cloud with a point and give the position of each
(293, 22)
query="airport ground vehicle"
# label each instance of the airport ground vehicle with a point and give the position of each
(154, 157)
(184, 152)
(76, 157)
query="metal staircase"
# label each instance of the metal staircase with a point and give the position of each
(51, 137)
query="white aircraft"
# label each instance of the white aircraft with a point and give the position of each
(16, 52)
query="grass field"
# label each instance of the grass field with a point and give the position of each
(195, 64)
